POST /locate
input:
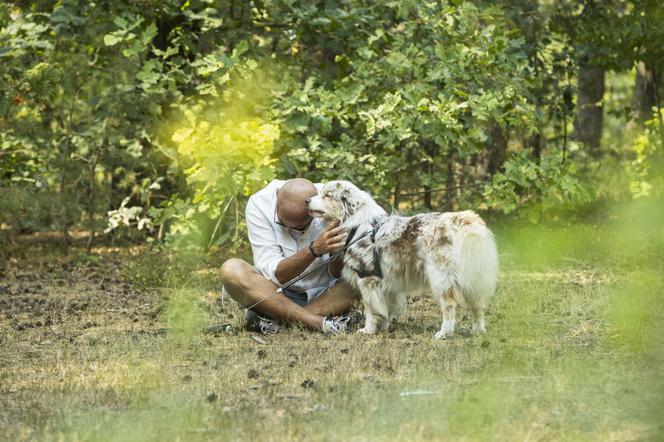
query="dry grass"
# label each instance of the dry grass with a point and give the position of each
(84, 357)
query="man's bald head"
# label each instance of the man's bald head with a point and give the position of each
(292, 208)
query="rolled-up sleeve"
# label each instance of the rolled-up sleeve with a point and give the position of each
(264, 245)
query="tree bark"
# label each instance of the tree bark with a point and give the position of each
(450, 184)
(427, 169)
(397, 190)
(427, 191)
(497, 149)
(589, 113)
(644, 97)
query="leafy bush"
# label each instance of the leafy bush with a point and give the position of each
(25, 209)
(397, 116)
(646, 170)
(176, 111)
(224, 155)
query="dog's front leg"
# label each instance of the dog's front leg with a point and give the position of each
(375, 309)
(371, 322)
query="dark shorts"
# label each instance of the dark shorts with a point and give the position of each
(298, 298)
(251, 318)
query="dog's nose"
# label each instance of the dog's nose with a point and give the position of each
(308, 200)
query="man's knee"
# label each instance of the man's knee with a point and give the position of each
(233, 272)
(347, 290)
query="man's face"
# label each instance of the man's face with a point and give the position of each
(298, 223)
(292, 211)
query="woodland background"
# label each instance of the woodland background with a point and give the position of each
(132, 133)
(148, 120)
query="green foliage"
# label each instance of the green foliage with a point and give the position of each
(522, 179)
(615, 33)
(646, 170)
(225, 154)
(24, 209)
(394, 113)
(65, 112)
(168, 114)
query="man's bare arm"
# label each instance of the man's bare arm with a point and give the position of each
(336, 266)
(289, 268)
(331, 240)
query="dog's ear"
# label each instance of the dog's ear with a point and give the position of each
(348, 204)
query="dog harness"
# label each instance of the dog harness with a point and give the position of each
(377, 270)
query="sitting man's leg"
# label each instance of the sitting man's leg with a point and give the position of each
(252, 290)
(336, 300)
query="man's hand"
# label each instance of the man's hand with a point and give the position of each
(331, 240)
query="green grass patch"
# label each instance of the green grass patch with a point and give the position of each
(573, 352)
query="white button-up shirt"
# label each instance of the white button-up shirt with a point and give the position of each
(271, 242)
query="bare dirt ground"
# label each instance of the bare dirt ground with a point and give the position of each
(109, 346)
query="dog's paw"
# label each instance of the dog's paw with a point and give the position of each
(365, 331)
(478, 329)
(443, 335)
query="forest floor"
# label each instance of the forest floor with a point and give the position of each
(108, 346)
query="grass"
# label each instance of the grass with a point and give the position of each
(573, 352)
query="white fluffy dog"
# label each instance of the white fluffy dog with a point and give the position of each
(451, 255)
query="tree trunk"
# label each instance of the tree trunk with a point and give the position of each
(644, 97)
(92, 207)
(589, 117)
(397, 190)
(427, 170)
(497, 149)
(427, 192)
(450, 184)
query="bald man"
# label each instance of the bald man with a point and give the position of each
(286, 241)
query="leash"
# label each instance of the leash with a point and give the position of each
(349, 243)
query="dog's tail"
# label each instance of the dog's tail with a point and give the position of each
(477, 271)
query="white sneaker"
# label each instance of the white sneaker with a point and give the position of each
(335, 325)
(268, 326)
